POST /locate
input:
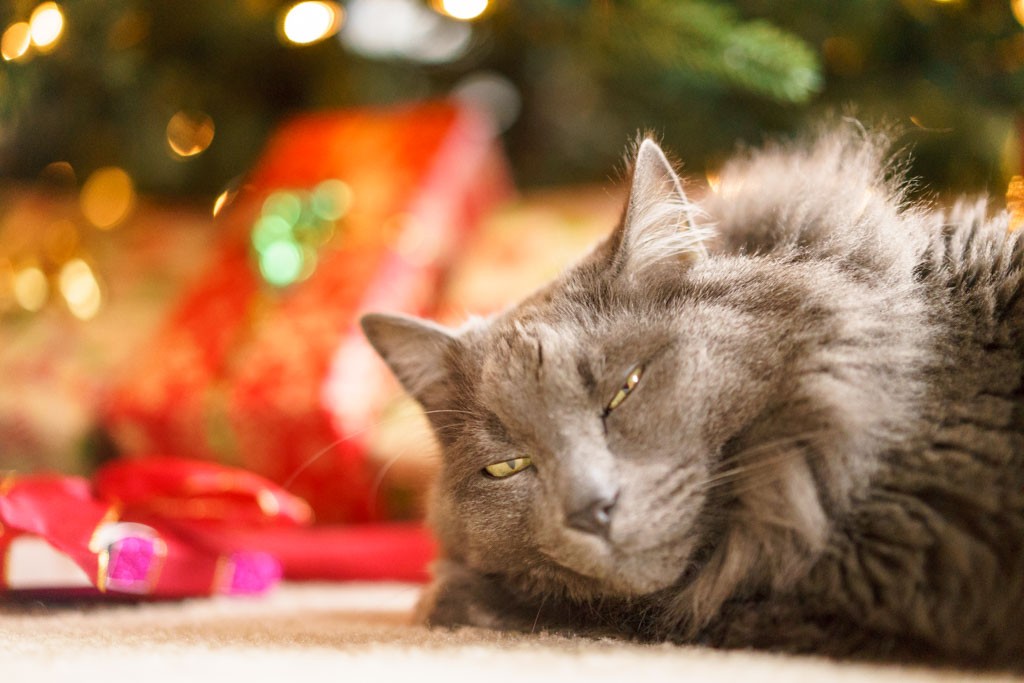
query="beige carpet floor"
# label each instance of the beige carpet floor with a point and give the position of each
(359, 633)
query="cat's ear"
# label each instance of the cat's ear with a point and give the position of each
(659, 224)
(415, 350)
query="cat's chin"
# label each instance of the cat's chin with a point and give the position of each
(623, 572)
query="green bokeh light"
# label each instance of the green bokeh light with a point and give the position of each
(270, 230)
(281, 263)
(286, 205)
(331, 199)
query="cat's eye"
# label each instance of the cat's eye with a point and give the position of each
(507, 468)
(632, 379)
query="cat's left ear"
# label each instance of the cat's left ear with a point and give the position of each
(660, 223)
(417, 351)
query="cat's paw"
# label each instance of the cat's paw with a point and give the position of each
(457, 597)
(460, 597)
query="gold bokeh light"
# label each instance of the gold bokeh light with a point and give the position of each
(46, 25)
(15, 42)
(31, 288)
(311, 21)
(464, 10)
(222, 200)
(107, 197)
(1017, 7)
(189, 133)
(80, 289)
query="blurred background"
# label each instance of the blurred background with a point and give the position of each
(198, 198)
(146, 85)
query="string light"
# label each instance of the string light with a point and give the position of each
(714, 181)
(281, 263)
(331, 199)
(405, 29)
(463, 10)
(1017, 6)
(291, 227)
(30, 288)
(189, 133)
(285, 205)
(222, 200)
(1015, 202)
(80, 289)
(107, 197)
(270, 230)
(311, 21)
(15, 41)
(46, 25)
(59, 173)
(491, 92)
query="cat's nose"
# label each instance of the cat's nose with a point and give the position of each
(594, 516)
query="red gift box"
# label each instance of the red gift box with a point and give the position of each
(164, 527)
(280, 381)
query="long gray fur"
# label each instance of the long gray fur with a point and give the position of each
(825, 452)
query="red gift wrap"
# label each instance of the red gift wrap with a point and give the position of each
(280, 381)
(166, 527)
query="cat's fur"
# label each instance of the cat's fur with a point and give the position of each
(825, 452)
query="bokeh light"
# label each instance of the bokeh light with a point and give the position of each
(714, 181)
(1018, 10)
(80, 289)
(464, 10)
(269, 230)
(493, 93)
(31, 288)
(1015, 202)
(407, 29)
(286, 205)
(189, 133)
(309, 22)
(331, 199)
(59, 173)
(46, 25)
(107, 197)
(15, 41)
(222, 200)
(281, 263)
(293, 224)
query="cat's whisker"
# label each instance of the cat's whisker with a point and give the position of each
(448, 410)
(777, 443)
(356, 434)
(786, 453)
(382, 472)
(536, 618)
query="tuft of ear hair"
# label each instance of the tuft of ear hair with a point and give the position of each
(660, 223)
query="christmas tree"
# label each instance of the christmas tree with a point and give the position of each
(181, 95)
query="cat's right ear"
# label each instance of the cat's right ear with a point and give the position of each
(659, 224)
(415, 350)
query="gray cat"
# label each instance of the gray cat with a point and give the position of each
(789, 416)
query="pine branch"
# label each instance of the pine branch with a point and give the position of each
(708, 39)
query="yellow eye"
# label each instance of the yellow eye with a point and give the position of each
(507, 468)
(631, 381)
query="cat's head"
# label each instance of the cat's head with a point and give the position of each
(597, 436)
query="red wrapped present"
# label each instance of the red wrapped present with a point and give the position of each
(262, 365)
(164, 527)
(59, 535)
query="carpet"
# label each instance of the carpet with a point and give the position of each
(361, 633)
